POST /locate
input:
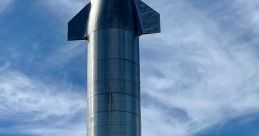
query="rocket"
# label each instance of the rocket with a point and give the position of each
(112, 29)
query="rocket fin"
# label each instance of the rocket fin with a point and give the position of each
(148, 19)
(77, 26)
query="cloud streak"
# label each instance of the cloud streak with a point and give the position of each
(5, 4)
(64, 9)
(30, 101)
(201, 71)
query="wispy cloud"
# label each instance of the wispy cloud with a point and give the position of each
(64, 8)
(5, 4)
(201, 64)
(38, 104)
(207, 70)
(29, 101)
(202, 70)
(249, 10)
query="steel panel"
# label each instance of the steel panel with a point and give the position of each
(114, 74)
(111, 14)
(114, 102)
(113, 83)
(114, 116)
(114, 43)
(116, 86)
(110, 66)
(116, 122)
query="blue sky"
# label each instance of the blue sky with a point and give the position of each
(200, 76)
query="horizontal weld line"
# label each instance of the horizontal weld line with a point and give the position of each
(129, 30)
(109, 123)
(89, 97)
(110, 79)
(120, 72)
(110, 72)
(117, 111)
(96, 60)
(127, 69)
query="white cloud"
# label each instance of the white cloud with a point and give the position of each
(200, 67)
(197, 73)
(249, 10)
(4, 65)
(64, 8)
(205, 72)
(30, 101)
(71, 51)
(5, 4)
(77, 129)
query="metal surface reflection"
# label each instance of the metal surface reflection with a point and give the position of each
(112, 28)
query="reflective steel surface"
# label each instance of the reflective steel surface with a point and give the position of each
(113, 83)
(111, 14)
(148, 19)
(112, 28)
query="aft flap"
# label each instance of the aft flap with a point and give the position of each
(77, 27)
(148, 19)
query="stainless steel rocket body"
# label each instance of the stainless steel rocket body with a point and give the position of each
(113, 70)
(113, 83)
(112, 28)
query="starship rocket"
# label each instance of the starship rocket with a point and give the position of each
(112, 29)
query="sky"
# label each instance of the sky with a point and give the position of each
(199, 76)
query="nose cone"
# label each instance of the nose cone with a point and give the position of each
(112, 14)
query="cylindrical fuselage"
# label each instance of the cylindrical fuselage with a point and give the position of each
(113, 70)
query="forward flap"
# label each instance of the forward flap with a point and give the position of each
(77, 27)
(148, 18)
